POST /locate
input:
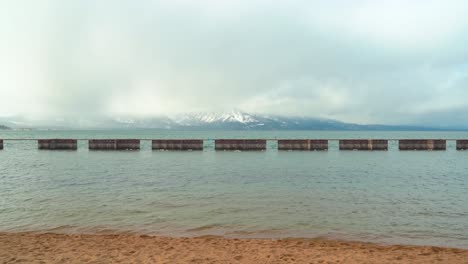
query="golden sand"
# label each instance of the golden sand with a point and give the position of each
(98, 248)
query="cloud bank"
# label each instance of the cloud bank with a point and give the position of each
(362, 61)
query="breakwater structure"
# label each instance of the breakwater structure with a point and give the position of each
(114, 144)
(462, 144)
(363, 144)
(177, 144)
(422, 144)
(245, 144)
(302, 144)
(240, 144)
(57, 144)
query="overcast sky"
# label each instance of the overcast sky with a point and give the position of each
(365, 61)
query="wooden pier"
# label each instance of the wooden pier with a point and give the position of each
(363, 144)
(244, 144)
(114, 144)
(240, 144)
(462, 144)
(177, 144)
(57, 144)
(422, 144)
(302, 144)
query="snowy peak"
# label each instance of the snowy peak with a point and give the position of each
(232, 120)
(210, 118)
(236, 116)
(238, 120)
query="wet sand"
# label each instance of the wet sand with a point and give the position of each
(98, 248)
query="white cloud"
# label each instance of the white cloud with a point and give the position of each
(361, 61)
(398, 24)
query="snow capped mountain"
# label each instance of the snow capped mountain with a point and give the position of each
(232, 120)
(236, 120)
(235, 116)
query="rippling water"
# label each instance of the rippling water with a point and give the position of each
(390, 196)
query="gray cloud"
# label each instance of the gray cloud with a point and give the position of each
(365, 61)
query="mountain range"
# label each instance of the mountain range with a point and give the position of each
(233, 120)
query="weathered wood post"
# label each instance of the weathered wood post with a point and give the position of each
(302, 144)
(462, 144)
(422, 144)
(240, 144)
(177, 144)
(57, 144)
(114, 144)
(363, 144)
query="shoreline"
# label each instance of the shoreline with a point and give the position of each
(126, 248)
(231, 233)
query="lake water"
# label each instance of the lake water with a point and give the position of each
(409, 197)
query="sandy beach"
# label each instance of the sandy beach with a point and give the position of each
(81, 248)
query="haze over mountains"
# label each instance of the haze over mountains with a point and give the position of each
(233, 120)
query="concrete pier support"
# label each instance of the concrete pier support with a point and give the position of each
(57, 144)
(363, 144)
(177, 144)
(462, 144)
(114, 144)
(422, 144)
(303, 144)
(240, 144)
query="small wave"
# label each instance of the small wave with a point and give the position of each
(204, 228)
(61, 229)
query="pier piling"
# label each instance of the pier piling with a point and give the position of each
(127, 144)
(57, 144)
(114, 144)
(462, 144)
(177, 144)
(240, 144)
(302, 144)
(363, 144)
(102, 144)
(422, 144)
(1, 144)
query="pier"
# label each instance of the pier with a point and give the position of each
(57, 144)
(363, 144)
(462, 144)
(114, 144)
(422, 144)
(240, 144)
(127, 144)
(302, 144)
(245, 144)
(177, 144)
